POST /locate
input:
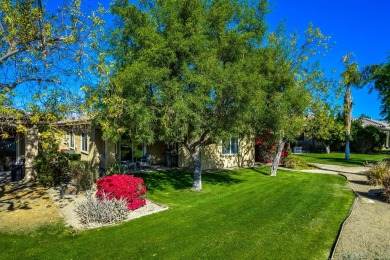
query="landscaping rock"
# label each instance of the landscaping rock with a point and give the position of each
(367, 201)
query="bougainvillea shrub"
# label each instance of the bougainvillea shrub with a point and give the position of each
(266, 146)
(120, 186)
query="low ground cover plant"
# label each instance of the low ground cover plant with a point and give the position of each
(101, 211)
(379, 174)
(295, 163)
(386, 188)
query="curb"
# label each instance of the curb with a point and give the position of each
(344, 222)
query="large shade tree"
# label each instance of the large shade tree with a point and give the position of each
(185, 72)
(293, 79)
(45, 57)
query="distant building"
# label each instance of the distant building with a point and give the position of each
(382, 125)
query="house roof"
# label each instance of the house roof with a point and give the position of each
(380, 124)
(74, 120)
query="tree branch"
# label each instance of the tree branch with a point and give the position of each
(20, 81)
(11, 52)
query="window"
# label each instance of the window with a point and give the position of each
(230, 146)
(84, 147)
(71, 141)
(65, 138)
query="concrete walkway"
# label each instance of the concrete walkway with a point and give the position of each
(366, 234)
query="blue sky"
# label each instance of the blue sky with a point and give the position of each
(361, 27)
(357, 26)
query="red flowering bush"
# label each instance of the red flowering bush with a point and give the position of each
(120, 186)
(266, 147)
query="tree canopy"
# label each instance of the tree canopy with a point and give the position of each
(381, 80)
(45, 57)
(186, 72)
(198, 72)
(322, 124)
(294, 78)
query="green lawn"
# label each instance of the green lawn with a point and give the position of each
(239, 214)
(339, 158)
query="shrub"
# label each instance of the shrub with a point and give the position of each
(294, 162)
(83, 175)
(116, 168)
(73, 156)
(386, 188)
(123, 187)
(101, 211)
(366, 139)
(377, 173)
(266, 147)
(52, 169)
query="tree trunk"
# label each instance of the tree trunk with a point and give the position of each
(327, 148)
(348, 120)
(275, 162)
(347, 150)
(195, 155)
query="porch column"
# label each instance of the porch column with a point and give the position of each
(31, 150)
(19, 139)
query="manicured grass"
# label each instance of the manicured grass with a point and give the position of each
(339, 158)
(241, 214)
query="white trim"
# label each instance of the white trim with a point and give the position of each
(84, 136)
(230, 147)
(71, 140)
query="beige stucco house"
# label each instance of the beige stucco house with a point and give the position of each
(226, 154)
(87, 140)
(82, 137)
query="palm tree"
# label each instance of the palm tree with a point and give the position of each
(352, 77)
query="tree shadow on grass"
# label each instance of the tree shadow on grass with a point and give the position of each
(167, 179)
(263, 170)
(223, 178)
(180, 179)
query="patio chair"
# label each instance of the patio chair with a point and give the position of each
(145, 161)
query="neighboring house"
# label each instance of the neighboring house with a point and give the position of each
(309, 144)
(382, 125)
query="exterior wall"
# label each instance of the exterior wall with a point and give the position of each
(157, 151)
(103, 153)
(212, 157)
(99, 152)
